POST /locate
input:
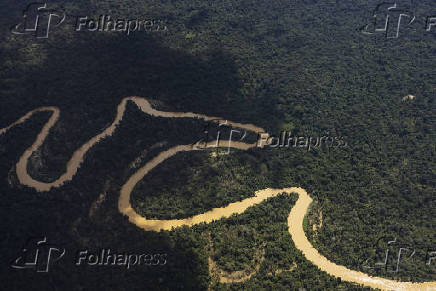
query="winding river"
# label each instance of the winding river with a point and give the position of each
(295, 218)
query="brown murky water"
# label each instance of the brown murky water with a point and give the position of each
(296, 215)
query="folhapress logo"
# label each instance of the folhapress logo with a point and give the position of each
(395, 253)
(388, 19)
(38, 255)
(38, 20)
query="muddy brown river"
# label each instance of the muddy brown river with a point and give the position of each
(295, 218)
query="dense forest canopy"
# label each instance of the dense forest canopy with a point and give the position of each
(299, 66)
